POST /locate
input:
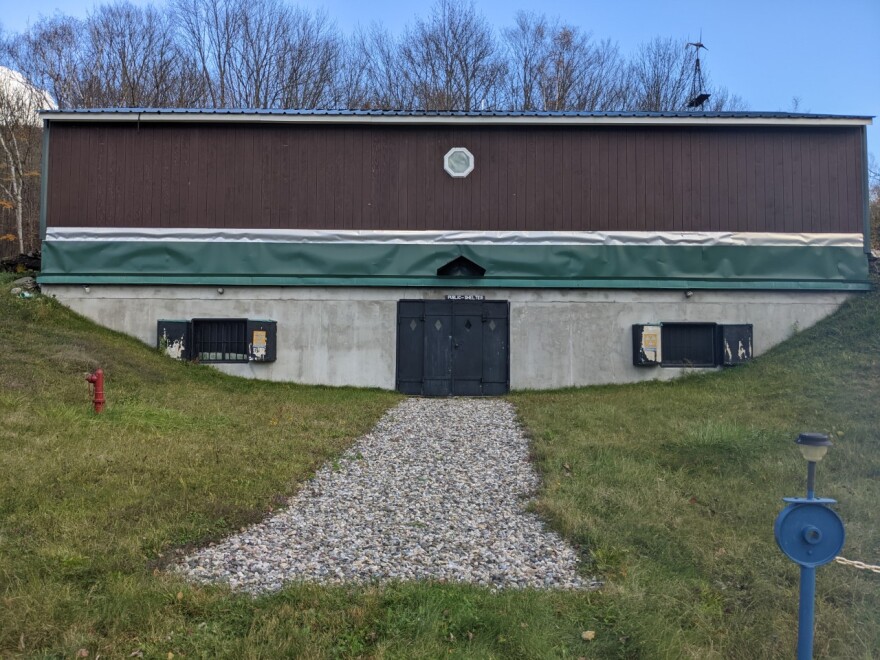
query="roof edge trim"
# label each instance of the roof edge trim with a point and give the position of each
(538, 119)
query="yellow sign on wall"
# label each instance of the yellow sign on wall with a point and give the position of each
(651, 342)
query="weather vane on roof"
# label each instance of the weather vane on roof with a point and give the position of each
(698, 95)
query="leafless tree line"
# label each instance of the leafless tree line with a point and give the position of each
(271, 54)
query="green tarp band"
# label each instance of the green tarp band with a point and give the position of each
(632, 266)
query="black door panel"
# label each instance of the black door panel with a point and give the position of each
(496, 351)
(410, 341)
(438, 348)
(467, 354)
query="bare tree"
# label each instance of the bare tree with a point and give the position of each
(20, 134)
(601, 86)
(351, 85)
(659, 77)
(526, 43)
(265, 53)
(49, 54)
(314, 54)
(133, 59)
(260, 53)
(209, 31)
(385, 83)
(579, 74)
(121, 55)
(451, 60)
(565, 65)
(555, 66)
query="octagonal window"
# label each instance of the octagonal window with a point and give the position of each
(458, 162)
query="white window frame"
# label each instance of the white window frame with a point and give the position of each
(450, 171)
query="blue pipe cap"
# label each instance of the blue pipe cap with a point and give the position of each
(809, 533)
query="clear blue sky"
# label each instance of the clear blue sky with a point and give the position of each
(826, 53)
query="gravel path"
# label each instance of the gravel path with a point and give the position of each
(436, 490)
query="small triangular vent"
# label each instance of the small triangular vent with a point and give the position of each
(461, 267)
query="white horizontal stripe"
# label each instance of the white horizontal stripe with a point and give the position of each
(519, 121)
(449, 237)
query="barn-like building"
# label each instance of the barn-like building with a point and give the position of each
(455, 253)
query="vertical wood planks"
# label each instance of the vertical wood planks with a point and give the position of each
(770, 179)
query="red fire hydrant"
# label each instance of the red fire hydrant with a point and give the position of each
(96, 381)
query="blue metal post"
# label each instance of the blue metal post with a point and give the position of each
(806, 613)
(806, 610)
(811, 534)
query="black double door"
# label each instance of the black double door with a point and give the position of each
(453, 347)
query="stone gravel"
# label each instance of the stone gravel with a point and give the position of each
(437, 490)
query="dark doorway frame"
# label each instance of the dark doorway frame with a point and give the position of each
(453, 347)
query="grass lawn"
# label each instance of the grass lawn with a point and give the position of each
(672, 488)
(668, 489)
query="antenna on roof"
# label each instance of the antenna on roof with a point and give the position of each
(698, 95)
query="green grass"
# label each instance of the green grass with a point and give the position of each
(91, 504)
(673, 488)
(668, 489)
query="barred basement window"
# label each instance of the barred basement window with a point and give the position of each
(220, 340)
(689, 345)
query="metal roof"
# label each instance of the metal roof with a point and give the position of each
(451, 117)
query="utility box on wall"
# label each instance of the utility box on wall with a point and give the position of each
(261, 340)
(736, 344)
(646, 345)
(174, 338)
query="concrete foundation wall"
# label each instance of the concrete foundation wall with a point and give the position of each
(347, 336)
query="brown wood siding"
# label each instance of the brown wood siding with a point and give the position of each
(391, 177)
